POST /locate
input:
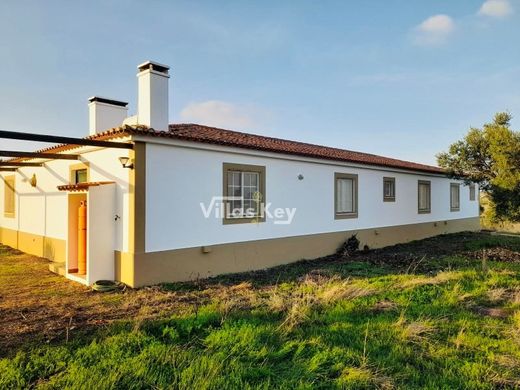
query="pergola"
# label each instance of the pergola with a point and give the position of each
(11, 166)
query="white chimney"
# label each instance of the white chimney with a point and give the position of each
(152, 99)
(105, 113)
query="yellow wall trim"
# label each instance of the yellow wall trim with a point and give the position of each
(137, 199)
(141, 269)
(48, 247)
(124, 267)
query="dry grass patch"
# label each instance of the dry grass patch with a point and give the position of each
(385, 305)
(508, 361)
(277, 301)
(497, 295)
(346, 290)
(514, 296)
(361, 377)
(440, 278)
(501, 382)
(241, 296)
(460, 338)
(318, 276)
(515, 319)
(299, 310)
(494, 312)
(414, 331)
(312, 295)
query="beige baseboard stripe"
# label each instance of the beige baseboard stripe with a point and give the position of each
(142, 269)
(42, 246)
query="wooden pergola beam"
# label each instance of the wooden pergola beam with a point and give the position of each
(8, 169)
(49, 156)
(19, 164)
(63, 140)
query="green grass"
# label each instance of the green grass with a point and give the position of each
(453, 324)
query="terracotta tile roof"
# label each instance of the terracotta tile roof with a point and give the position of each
(212, 135)
(216, 136)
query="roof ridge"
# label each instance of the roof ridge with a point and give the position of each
(187, 125)
(213, 135)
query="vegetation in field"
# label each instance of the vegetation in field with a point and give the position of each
(489, 221)
(439, 313)
(490, 157)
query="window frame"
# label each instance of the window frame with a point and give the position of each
(385, 197)
(260, 169)
(429, 209)
(10, 186)
(354, 178)
(472, 192)
(457, 186)
(78, 167)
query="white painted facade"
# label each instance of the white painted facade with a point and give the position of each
(43, 210)
(181, 175)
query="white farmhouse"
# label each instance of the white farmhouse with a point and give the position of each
(178, 202)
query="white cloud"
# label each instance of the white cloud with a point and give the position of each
(220, 114)
(496, 8)
(435, 30)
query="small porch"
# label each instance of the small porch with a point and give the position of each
(91, 232)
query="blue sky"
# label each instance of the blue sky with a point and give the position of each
(392, 77)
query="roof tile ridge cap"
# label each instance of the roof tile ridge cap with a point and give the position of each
(282, 140)
(119, 130)
(241, 133)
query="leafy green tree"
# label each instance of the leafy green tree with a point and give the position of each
(489, 157)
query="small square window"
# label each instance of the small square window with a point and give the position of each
(79, 173)
(80, 176)
(389, 189)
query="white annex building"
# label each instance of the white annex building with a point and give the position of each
(176, 202)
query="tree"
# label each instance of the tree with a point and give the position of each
(489, 157)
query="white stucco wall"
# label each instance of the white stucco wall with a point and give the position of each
(101, 235)
(42, 210)
(180, 175)
(180, 178)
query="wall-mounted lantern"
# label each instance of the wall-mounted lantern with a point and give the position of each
(126, 162)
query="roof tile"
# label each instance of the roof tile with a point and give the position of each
(216, 136)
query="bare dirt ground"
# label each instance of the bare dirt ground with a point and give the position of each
(39, 306)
